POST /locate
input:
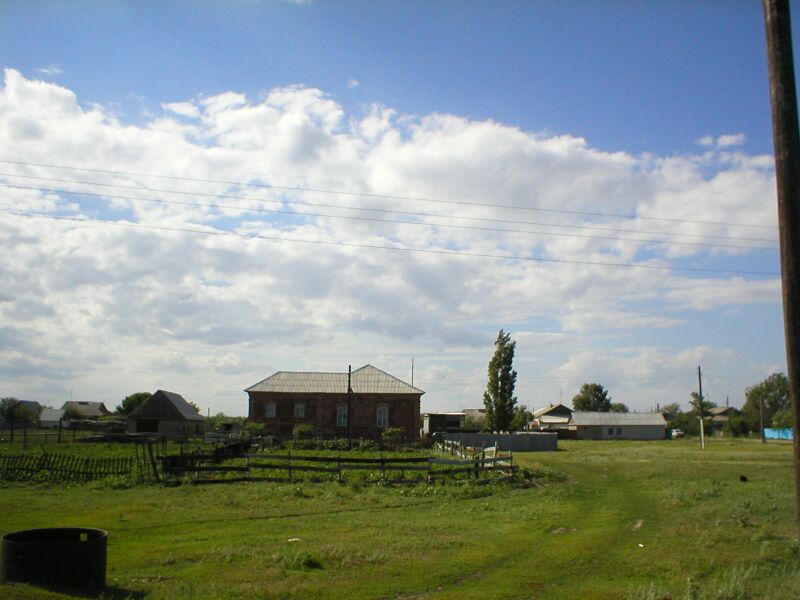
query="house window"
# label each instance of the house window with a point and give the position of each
(382, 417)
(611, 431)
(619, 430)
(269, 410)
(341, 416)
(299, 410)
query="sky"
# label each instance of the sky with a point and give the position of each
(194, 195)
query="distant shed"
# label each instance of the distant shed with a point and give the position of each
(618, 426)
(447, 421)
(49, 418)
(167, 414)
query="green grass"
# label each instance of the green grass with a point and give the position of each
(636, 520)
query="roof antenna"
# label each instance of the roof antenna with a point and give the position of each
(412, 370)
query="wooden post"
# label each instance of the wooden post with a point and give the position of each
(289, 462)
(786, 138)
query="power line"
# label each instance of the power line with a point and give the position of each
(380, 247)
(388, 196)
(378, 220)
(382, 210)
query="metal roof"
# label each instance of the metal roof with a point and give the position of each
(616, 419)
(551, 407)
(366, 380)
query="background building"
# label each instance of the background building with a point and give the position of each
(378, 401)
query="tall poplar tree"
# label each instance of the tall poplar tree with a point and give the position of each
(499, 399)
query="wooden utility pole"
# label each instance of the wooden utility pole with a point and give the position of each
(349, 398)
(783, 98)
(700, 408)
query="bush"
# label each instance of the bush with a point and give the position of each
(393, 436)
(302, 431)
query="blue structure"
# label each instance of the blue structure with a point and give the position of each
(778, 434)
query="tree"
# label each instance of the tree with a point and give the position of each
(773, 392)
(522, 416)
(195, 407)
(14, 411)
(671, 410)
(132, 402)
(592, 397)
(499, 398)
(695, 403)
(782, 419)
(618, 407)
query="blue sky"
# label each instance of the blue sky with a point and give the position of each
(655, 110)
(625, 75)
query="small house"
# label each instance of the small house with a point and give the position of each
(618, 426)
(376, 400)
(49, 418)
(167, 414)
(552, 417)
(86, 410)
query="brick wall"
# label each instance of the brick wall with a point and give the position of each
(320, 411)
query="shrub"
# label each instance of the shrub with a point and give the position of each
(392, 436)
(302, 431)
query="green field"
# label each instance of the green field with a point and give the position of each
(607, 520)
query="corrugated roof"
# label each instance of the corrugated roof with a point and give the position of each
(366, 380)
(550, 408)
(615, 419)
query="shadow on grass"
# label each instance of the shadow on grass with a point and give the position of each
(110, 592)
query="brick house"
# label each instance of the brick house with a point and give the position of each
(378, 400)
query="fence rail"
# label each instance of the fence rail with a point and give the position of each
(178, 467)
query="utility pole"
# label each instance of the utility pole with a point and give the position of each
(700, 408)
(412, 371)
(783, 98)
(761, 417)
(349, 398)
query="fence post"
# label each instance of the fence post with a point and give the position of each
(289, 462)
(383, 468)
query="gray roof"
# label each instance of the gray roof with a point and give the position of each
(366, 380)
(616, 419)
(166, 406)
(552, 408)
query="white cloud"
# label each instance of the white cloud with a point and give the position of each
(183, 109)
(111, 310)
(736, 139)
(50, 71)
(352, 83)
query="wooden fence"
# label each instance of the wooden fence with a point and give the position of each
(25, 437)
(60, 468)
(251, 467)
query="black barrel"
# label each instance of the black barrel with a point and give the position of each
(73, 557)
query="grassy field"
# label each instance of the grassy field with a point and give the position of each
(637, 520)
